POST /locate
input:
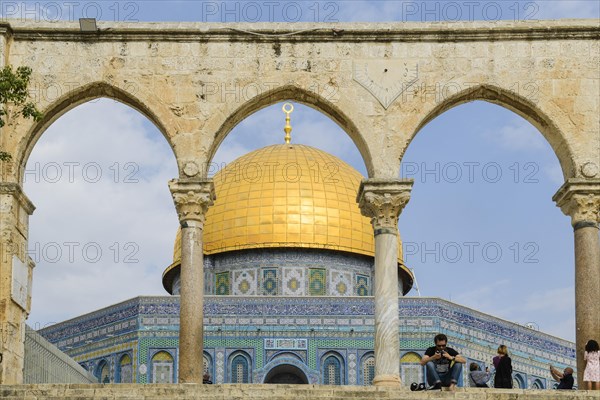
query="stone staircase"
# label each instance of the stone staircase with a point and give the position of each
(270, 392)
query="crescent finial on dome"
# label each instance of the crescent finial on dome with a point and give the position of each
(287, 108)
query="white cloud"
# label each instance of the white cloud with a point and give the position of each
(554, 299)
(517, 134)
(482, 297)
(105, 223)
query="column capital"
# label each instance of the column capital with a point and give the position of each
(192, 197)
(17, 192)
(580, 199)
(383, 200)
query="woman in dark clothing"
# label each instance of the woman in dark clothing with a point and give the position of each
(503, 363)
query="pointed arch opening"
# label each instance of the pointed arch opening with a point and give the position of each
(76, 97)
(481, 205)
(518, 104)
(333, 369)
(286, 374)
(240, 367)
(104, 222)
(294, 94)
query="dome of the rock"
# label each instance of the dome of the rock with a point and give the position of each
(286, 197)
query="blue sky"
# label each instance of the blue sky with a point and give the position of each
(480, 229)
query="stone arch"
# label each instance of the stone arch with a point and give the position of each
(517, 104)
(286, 354)
(288, 364)
(283, 372)
(162, 366)
(306, 97)
(74, 98)
(207, 363)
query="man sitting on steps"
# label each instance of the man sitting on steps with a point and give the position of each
(443, 364)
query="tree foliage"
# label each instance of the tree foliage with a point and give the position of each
(14, 98)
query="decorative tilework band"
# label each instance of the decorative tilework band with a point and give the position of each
(585, 224)
(381, 231)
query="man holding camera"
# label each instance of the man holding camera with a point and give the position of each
(443, 364)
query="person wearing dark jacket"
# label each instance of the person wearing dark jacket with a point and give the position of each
(565, 379)
(503, 363)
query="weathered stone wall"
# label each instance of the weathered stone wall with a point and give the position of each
(273, 392)
(380, 82)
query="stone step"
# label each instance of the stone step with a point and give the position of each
(270, 392)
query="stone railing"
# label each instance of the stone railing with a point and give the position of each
(45, 363)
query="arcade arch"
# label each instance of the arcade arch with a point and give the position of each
(294, 94)
(518, 104)
(286, 374)
(84, 94)
(110, 173)
(484, 179)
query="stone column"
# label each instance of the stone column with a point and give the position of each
(16, 272)
(192, 198)
(580, 199)
(382, 201)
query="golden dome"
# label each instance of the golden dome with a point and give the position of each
(286, 196)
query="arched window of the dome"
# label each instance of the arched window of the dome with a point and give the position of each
(207, 364)
(519, 381)
(410, 368)
(367, 367)
(332, 369)
(240, 367)
(162, 367)
(103, 371)
(124, 372)
(537, 384)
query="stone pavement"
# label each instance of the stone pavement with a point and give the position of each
(271, 392)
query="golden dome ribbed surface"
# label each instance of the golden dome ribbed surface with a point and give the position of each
(286, 196)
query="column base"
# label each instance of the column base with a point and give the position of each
(387, 380)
